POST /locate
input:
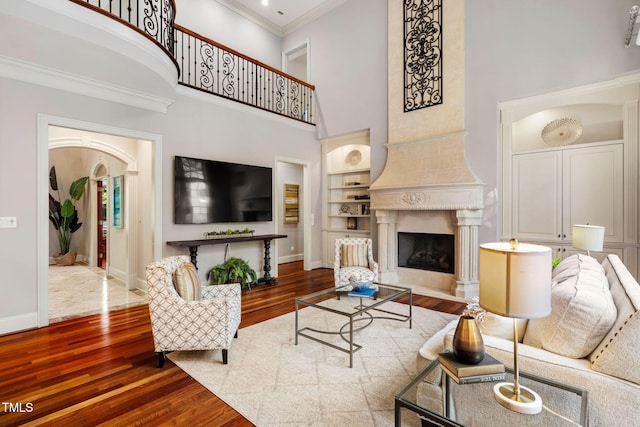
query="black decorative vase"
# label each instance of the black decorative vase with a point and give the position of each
(468, 346)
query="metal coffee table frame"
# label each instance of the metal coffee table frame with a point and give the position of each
(431, 418)
(359, 313)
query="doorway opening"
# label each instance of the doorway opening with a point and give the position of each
(137, 158)
(297, 246)
(295, 62)
(102, 228)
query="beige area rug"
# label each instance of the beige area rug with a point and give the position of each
(273, 382)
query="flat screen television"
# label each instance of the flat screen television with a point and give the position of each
(209, 191)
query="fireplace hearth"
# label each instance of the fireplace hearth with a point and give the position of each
(427, 251)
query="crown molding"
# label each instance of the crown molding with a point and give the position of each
(250, 15)
(43, 76)
(279, 31)
(311, 16)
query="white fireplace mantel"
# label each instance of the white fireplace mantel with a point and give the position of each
(430, 175)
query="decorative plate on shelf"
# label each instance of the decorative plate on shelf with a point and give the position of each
(560, 132)
(353, 158)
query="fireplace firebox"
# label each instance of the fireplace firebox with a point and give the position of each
(427, 251)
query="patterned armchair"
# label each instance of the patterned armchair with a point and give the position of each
(354, 257)
(206, 324)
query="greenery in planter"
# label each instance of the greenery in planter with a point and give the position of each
(233, 270)
(64, 215)
(229, 232)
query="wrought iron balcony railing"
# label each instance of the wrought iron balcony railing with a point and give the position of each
(214, 68)
(208, 66)
(153, 18)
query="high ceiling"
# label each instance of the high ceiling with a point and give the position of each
(282, 16)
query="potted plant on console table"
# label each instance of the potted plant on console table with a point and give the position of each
(233, 270)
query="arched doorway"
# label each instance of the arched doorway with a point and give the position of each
(131, 234)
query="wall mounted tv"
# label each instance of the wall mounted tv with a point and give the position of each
(209, 191)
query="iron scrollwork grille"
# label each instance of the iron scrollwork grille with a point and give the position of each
(422, 54)
(210, 67)
(153, 18)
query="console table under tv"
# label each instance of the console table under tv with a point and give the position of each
(266, 238)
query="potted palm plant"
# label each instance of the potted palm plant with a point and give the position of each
(64, 215)
(233, 270)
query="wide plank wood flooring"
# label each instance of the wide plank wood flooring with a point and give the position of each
(101, 369)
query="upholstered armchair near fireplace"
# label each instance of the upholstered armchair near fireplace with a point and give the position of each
(186, 315)
(354, 257)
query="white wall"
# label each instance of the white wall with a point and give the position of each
(348, 65)
(192, 127)
(221, 24)
(512, 50)
(516, 49)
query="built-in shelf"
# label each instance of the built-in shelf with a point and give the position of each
(347, 175)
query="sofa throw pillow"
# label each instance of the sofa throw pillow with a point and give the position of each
(187, 282)
(435, 344)
(570, 266)
(582, 313)
(501, 327)
(354, 255)
(617, 354)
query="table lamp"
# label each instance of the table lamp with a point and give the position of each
(587, 237)
(515, 281)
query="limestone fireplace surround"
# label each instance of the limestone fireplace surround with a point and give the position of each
(422, 180)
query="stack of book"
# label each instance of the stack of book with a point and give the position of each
(489, 369)
(363, 291)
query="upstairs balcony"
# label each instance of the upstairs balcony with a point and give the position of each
(190, 59)
(131, 52)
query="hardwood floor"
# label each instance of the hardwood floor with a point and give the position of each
(101, 369)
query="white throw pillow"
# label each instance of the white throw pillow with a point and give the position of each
(572, 265)
(501, 327)
(582, 311)
(618, 354)
(435, 344)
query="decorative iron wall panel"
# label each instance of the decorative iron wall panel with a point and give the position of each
(422, 54)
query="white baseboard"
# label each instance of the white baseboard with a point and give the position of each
(290, 258)
(316, 264)
(141, 284)
(117, 274)
(18, 323)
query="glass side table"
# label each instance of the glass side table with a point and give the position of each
(432, 398)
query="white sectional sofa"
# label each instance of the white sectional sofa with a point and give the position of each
(591, 340)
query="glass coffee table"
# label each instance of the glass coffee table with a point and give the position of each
(432, 398)
(360, 312)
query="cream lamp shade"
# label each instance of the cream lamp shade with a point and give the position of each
(587, 237)
(515, 281)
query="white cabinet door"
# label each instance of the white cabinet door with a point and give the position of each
(553, 190)
(593, 189)
(537, 196)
